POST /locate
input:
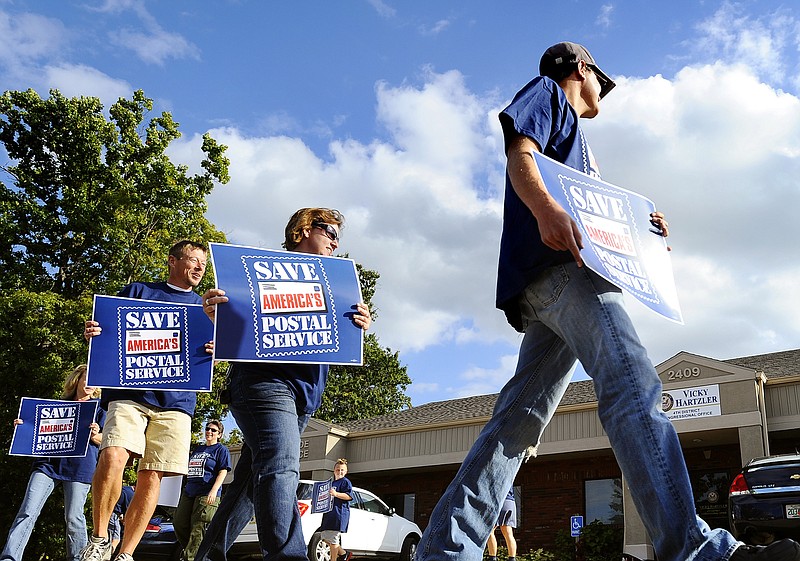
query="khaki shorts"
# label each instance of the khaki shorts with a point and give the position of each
(160, 437)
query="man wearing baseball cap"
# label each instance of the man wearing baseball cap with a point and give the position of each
(567, 313)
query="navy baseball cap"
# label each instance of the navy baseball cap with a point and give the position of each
(557, 59)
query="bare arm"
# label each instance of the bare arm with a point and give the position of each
(557, 229)
(212, 494)
(341, 496)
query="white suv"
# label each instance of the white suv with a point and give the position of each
(374, 531)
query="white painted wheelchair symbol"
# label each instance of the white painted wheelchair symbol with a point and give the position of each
(576, 524)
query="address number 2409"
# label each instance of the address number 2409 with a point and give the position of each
(682, 373)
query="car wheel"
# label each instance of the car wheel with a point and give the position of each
(318, 550)
(409, 548)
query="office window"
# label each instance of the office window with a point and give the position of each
(603, 500)
(403, 504)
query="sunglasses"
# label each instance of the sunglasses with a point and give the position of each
(211, 429)
(329, 230)
(606, 83)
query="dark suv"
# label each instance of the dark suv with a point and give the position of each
(764, 500)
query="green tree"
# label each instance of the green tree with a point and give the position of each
(94, 202)
(88, 203)
(38, 347)
(376, 388)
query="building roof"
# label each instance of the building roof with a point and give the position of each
(774, 365)
(462, 409)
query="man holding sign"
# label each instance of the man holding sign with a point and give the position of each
(152, 425)
(568, 312)
(272, 403)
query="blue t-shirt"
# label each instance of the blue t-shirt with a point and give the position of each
(78, 470)
(125, 498)
(170, 400)
(338, 519)
(306, 381)
(204, 465)
(541, 112)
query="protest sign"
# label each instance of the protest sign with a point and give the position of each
(286, 307)
(149, 345)
(169, 493)
(321, 498)
(620, 243)
(53, 428)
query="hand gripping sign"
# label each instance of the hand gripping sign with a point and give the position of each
(286, 307)
(53, 428)
(150, 345)
(620, 244)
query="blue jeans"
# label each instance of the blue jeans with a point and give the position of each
(568, 313)
(267, 474)
(40, 486)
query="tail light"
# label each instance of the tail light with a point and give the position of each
(303, 507)
(739, 485)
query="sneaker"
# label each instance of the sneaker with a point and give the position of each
(96, 550)
(124, 557)
(345, 556)
(782, 550)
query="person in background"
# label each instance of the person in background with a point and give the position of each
(154, 426)
(335, 521)
(74, 474)
(115, 525)
(272, 403)
(208, 466)
(507, 521)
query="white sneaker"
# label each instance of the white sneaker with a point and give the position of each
(124, 557)
(97, 549)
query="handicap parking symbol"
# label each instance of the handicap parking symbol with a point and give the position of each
(575, 526)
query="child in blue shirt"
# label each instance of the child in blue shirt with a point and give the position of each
(336, 521)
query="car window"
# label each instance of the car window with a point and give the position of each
(304, 491)
(773, 476)
(370, 503)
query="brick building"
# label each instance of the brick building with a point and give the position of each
(725, 411)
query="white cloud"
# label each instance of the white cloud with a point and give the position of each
(384, 10)
(434, 29)
(763, 43)
(412, 205)
(604, 17)
(152, 44)
(155, 45)
(718, 151)
(715, 147)
(482, 381)
(74, 80)
(26, 38)
(31, 49)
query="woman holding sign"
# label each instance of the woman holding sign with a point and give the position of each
(208, 466)
(272, 403)
(75, 474)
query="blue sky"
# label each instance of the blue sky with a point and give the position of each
(388, 112)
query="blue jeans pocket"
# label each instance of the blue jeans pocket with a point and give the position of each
(543, 292)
